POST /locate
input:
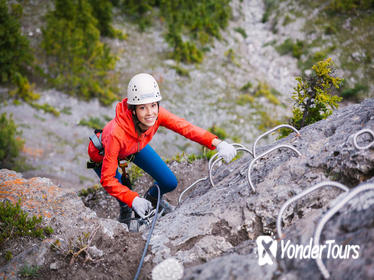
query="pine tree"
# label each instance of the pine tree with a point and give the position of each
(78, 61)
(15, 53)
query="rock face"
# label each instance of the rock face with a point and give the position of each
(79, 235)
(209, 227)
(213, 231)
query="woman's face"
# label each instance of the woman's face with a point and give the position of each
(147, 114)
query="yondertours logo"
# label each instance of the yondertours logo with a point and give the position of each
(267, 250)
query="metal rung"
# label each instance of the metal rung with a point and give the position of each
(302, 194)
(329, 214)
(270, 131)
(264, 154)
(220, 158)
(193, 184)
(360, 133)
(213, 160)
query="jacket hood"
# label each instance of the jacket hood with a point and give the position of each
(124, 119)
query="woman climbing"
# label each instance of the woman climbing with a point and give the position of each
(126, 137)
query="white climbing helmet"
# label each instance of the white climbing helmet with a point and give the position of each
(143, 89)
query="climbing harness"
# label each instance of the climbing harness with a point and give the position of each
(329, 214)
(264, 154)
(302, 194)
(97, 141)
(360, 133)
(150, 233)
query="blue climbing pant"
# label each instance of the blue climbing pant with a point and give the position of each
(148, 160)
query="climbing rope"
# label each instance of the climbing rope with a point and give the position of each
(360, 133)
(149, 234)
(329, 214)
(302, 194)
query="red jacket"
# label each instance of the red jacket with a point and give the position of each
(120, 139)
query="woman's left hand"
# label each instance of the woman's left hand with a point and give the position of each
(226, 151)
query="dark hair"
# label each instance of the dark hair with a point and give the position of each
(133, 107)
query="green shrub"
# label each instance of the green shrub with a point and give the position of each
(198, 21)
(46, 108)
(93, 189)
(78, 61)
(138, 11)
(180, 70)
(264, 90)
(93, 122)
(15, 223)
(347, 6)
(10, 143)
(184, 51)
(313, 95)
(269, 7)
(352, 93)
(241, 31)
(246, 87)
(29, 271)
(15, 53)
(218, 131)
(289, 47)
(245, 99)
(24, 90)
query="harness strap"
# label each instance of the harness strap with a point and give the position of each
(97, 143)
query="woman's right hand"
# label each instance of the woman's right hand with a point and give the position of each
(141, 206)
